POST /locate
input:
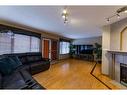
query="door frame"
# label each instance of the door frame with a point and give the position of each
(49, 46)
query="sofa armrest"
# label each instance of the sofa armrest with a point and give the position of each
(19, 84)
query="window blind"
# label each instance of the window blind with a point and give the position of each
(35, 44)
(21, 43)
(5, 43)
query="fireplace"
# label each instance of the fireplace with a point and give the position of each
(118, 66)
(123, 74)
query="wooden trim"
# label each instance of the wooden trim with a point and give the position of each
(49, 38)
(19, 30)
(121, 41)
(97, 77)
(121, 37)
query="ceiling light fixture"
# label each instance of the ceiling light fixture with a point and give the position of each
(108, 20)
(125, 11)
(118, 12)
(65, 11)
(118, 16)
(65, 15)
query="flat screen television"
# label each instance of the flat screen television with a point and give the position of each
(84, 49)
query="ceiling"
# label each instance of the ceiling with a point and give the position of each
(84, 21)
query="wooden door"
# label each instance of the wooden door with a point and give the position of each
(46, 48)
(54, 50)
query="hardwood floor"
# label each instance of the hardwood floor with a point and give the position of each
(73, 74)
(106, 80)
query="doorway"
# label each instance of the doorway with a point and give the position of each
(54, 50)
(50, 49)
(46, 48)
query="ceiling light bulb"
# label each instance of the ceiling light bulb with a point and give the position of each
(63, 16)
(125, 11)
(108, 20)
(118, 16)
(64, 11)
(65, 21)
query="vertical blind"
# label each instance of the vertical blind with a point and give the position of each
(35, 44)
(64, 47)
(18, 44)
(5, 43)
(21, 43)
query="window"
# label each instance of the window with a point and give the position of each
(18, 43)
(35, 44)
(21, 43)
(64, 47)
(5, 43)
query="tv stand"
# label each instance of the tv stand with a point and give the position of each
(87, 57)
(84, 52)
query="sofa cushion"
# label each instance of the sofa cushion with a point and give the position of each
(17, 62)
(19, 84)
(39, 67)
(6, 65)
(23, 67)
(23, 59)
(38, 58)
(26, 75)
(11, 79)
(31, 58)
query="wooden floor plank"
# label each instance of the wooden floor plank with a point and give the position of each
(72, 74)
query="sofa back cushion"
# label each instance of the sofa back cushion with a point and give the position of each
(34, 57)
(17, 62)
(21, 56)
(39, 58)
(31, 58)
(27, 58)
(23, 59)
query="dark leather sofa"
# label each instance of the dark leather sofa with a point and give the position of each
(21, 77)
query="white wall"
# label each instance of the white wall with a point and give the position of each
(116, 28)
(88, 41)
(105, 47)
(111, 41)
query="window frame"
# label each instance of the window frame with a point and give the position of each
(12, 48)
(61, 48)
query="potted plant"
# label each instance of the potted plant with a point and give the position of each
(98, 52)
(72, 51)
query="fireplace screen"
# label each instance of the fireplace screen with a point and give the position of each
(123, 74)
